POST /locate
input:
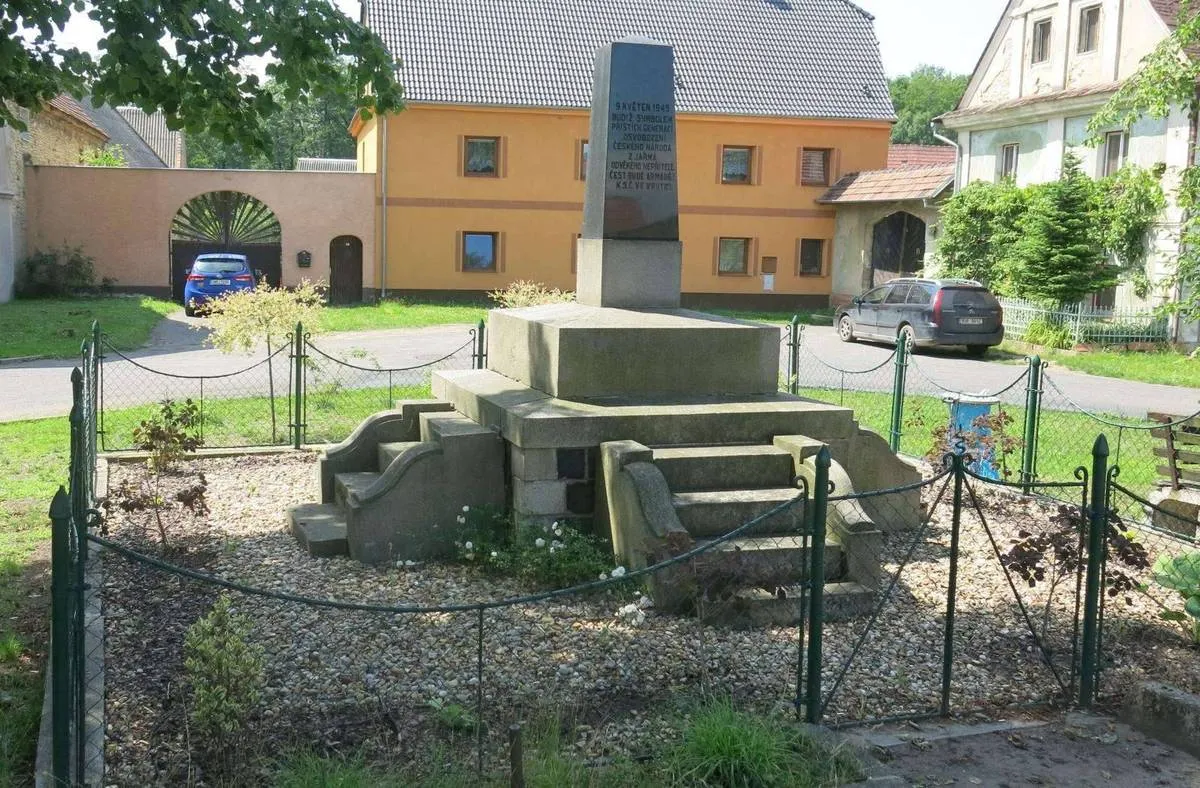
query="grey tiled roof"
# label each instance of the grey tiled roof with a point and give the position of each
(312, 164)
(153, 129)
(790, 58)
(137, 152)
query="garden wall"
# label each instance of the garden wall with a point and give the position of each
(122, 216)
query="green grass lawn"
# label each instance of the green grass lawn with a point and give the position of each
(33, 463)
(399, 314)
(1165, 366)
(817, 317)
(56, 326)
(1064, 441)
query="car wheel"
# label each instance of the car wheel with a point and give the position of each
(908, 337)
(189, 311)
(845, 329)
(976, 350)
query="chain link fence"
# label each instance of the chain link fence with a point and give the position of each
(1031, 429)
(300, 393)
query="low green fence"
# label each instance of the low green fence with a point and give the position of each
(299, 393)
(1036, 431)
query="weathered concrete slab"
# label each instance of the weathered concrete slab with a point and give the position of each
(1166, 713)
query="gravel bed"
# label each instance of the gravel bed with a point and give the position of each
(343, 681)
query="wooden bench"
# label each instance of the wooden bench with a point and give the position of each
(1180, 450)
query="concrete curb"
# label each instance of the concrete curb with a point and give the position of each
(1165, 713)
(21, 359)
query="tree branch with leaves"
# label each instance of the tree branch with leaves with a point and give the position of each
(194, 60)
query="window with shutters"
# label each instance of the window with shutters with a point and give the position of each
(812, 257)
(814, 166)
(480, 252)
(481, 157)
(736, 164)
(1089, 29)
(1116, 144)
(1009, 158)
(733, 256)
(1040, 51)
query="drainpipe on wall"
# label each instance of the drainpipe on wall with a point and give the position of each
(383, 211)
(957, 151)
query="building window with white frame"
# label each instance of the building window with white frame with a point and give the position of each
(1040, 51)
(1010, 156)
(1116, 147)
(1089, 29)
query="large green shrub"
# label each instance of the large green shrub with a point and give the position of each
(1060, 257)
(54, 273)
(979, 228)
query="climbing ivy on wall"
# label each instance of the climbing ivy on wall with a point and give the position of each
(1053, 242)
(1167, 78)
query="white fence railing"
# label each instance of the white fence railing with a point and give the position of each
(1082, 325)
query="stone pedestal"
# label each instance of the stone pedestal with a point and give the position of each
(628, 274)
(577, 352)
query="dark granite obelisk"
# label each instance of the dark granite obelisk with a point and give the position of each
(629, 255)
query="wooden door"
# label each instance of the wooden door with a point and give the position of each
(345, 270)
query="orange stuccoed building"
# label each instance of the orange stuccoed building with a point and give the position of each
(479, 180)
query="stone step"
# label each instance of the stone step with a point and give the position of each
(724, 467)
(717, 512)
(750, 608)
(320, 528)
(390, 451)
(358, 482)
(435, 426)
(763, 561)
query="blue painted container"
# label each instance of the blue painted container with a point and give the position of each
(965, 409)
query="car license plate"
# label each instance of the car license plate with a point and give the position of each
(218, 281)
(970, 321)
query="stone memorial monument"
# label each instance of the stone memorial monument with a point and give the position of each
(629, 254)
(657, 424)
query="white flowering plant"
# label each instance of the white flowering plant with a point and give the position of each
(556, 555)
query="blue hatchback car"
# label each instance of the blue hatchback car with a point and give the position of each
(213, 275)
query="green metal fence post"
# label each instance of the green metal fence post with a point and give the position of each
(898, 386)
(1097, 523)
(298, 393)
(959, 466)
(794, 329)
(1033, 408)
(60, 628)
(479, 357)
(816, 581)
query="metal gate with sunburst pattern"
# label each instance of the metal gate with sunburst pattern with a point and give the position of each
(225, 221)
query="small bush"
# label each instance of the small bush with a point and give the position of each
(523, 293)
(170, 434)
(1048, 334)
(56, 273)
(555, 556)
(106, 156)
(225, 673)
(725, 748)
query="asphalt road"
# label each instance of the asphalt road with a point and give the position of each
(42, 388)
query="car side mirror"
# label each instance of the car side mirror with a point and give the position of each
(856, 300)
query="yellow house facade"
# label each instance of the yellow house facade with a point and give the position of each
(479, 184)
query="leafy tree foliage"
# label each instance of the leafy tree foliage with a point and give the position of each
(106, 156)
(979, 229)
(920, 97)
(1052, 242)
(192, 59)
(1059, 257)
(1167, 78)
(304, 126)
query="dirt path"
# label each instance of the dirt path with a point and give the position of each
(1077, 751)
